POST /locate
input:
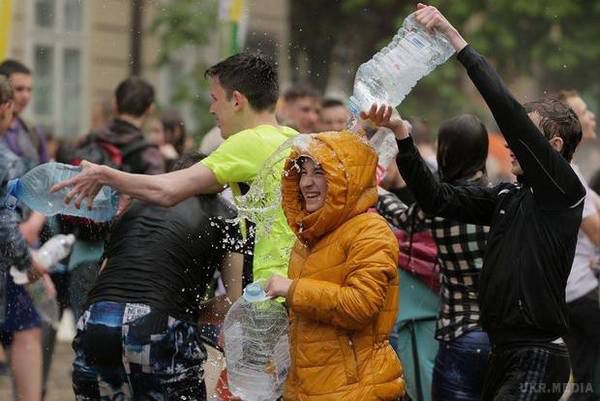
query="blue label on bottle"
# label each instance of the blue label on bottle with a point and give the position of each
(416, 41)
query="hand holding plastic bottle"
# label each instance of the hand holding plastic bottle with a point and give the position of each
(278, 286)
(86, 184)
(432, 19)
(382, 116)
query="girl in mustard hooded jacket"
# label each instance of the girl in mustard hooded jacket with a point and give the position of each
(342, 290)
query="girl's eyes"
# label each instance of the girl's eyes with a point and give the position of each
(314, 172)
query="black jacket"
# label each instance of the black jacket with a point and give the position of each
(534, 223)
(146, 160)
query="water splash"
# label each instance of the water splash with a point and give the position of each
(262, 203)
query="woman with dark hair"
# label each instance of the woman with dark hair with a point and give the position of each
(168, 133)
(461, 361)
(174, 129)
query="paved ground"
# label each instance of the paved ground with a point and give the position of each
(60, 375)
(59, 387)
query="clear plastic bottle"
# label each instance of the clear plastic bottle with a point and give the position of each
(256, 346)
(391, 73)
(54, 250)
(33, 189)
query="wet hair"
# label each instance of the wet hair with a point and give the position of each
(10, 66)
(329, 103)
(462, 148)
(187, 160)
(421, 133)
(300, 91)
(134, 96)
(172, 122)
(251, 74)
(6, 91)
(558, 120)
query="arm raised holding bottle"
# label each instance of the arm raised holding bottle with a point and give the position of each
(541, 160)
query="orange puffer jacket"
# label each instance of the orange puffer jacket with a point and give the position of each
(344, 295)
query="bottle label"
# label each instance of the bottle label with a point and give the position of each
(414, 39)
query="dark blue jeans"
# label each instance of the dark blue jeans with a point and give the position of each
(460, 368)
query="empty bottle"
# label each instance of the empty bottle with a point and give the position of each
(391, 74)
(53, 251)
(49, 254)
(33, 189)
(256, 346)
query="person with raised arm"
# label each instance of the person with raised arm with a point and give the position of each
(243, 90)
(534, 225)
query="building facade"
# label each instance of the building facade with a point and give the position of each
(79, 50)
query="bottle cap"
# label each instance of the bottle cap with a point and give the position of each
(254, 293)
(9, 200)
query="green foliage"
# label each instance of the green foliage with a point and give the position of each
(552, 42)
(182, 25)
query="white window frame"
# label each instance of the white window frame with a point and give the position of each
(60, 40)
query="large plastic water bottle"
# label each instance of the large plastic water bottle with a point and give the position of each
(256, 346)
(391, 74)
(33, 189)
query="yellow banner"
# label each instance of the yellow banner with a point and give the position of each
(230, 10)
(235, 10)
(5, 20)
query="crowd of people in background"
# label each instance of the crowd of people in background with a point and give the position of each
(516, 236)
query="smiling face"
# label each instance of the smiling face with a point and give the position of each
(313, 185)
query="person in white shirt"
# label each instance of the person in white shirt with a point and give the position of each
(583, 339)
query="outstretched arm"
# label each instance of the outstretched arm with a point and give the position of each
(163, 189)
(468, 204)
(554, 183)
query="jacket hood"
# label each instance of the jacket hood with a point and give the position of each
(120, 133)
(349, 163)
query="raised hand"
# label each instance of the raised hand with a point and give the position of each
(383, 116)
(432, 19)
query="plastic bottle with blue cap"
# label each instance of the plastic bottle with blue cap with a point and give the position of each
(33, 189)
(256, 346)
(255, 293)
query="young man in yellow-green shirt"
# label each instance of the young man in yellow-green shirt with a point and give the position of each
(244, 90)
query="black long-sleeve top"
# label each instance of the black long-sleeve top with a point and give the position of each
(534, 223)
